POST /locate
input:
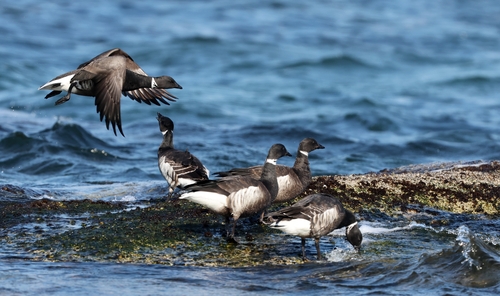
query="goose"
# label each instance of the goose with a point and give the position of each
(106, 77)
(179, 168)
(292, 180)
(239, 196)
(314, 216)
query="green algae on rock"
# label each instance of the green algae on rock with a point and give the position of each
(165, 232)
(174, 232)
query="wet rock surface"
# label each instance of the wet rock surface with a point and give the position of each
(176, 232)
(459, 188)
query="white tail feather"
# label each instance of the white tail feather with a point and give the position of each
(298, 227)
(58, 84)
(214, 201)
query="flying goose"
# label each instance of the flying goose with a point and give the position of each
(292, 180)
(314, 216)
(179, 168)
(239, 196)
(106, 77)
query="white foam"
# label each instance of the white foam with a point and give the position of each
(44, 196)
(365, 229)
(121, 192)
(342, 254)
(464, 240)
(378, 228)
(126, 198)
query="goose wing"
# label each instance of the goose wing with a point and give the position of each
(150, 95)
(320, 201)
(108, 83)
(185, 164)
(295, 212)
(308, 207)
(211, 186)
(253, 172)
(111, 52)
(141, 95)
(107, 99)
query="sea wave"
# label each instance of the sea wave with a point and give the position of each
(471, 262)
(52, 151)
(344, 61)
(472, 80)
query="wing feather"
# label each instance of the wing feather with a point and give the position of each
(107, 98)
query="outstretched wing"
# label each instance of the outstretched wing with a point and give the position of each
(107, 89)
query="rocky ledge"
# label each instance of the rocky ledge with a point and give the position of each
(472, 188)
(177, 232)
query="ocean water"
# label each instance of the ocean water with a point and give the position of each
(381, 84)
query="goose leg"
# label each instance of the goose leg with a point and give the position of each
(170, 194)
(67, 96)
(303, 243)
(316, 242)
(261, 218)
(227, 227)
(230, 236)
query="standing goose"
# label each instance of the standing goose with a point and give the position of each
(314, 216)
(179, 168)
(292, 180)
(106, 77)
(239, 196)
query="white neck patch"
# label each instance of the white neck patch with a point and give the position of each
(351, 226)
(271, 161)
(303, 152)
(153, 83)
(164, 132)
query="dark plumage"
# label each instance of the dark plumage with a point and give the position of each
(314, 216)
(292, 180)
(239, 196)
(106, 77)
(179, 168)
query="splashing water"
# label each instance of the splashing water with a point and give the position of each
(468, 248)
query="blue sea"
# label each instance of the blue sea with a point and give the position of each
(380, 84)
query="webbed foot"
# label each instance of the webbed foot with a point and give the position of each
(63, 99)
